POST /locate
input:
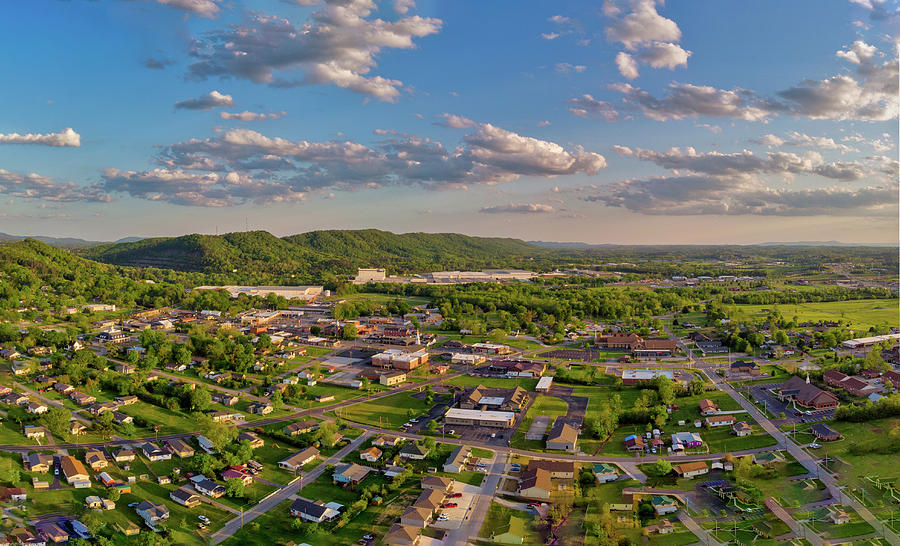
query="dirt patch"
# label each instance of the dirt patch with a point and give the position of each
(877, 431)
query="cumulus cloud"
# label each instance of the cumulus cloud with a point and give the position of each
(203, 8)
(587, 106)
(250, 116)
(869, 94)
(211, 100)
(455, 122)
(565, 68)
(879, 10)
(338, 46)
(746, 162)
(664, 55)
(641, 26)
(795, 138)
(518, 208)
(650, 37)
(157, 64)
(198, 189)
(485, 155)
(628, 67)
(403, 6)
(35, 186)
(684, 100)
(65, 138)
(712, 195)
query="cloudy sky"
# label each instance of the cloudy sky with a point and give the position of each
(631, 121)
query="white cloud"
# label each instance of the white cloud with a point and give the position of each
(587, 106)
(403, 6)
(746, 162)
(455, 122)
(203, 8)
(565, 68)
(338, 46)
(686, 100)
(740, 195)
(642, 26)
(198, 189)
(211, 100)
(35, 186)
(486, 155)
(250, 116)
(543, 123)
(66, 137)
(870, 94)
(549, 35)
(518, 208)
(664, 55)
(628, 67)
(879, 10)
(795, 138)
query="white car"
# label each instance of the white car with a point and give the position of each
(203, 518)
(442, 517)
(814, 446)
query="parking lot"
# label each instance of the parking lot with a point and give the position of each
(761, 394)
(456, 515)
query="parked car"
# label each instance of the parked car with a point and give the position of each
(449, 505)
(455, 495)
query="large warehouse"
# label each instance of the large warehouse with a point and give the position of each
(501, 419)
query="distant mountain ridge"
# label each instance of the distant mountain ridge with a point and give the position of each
(317, 252)
(63, 242)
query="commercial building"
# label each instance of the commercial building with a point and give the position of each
(484, 418)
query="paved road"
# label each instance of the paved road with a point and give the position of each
(798, 528)
(694, 527)
(285, 492)
(54, 403)
(481, 502)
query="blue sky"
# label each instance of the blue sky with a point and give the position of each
(620, 122)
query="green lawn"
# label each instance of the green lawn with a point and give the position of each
(482, 453)
(861, 314)
(389, 412)
(171, 421)
(468, 381)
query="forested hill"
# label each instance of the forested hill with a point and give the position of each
(320, 252)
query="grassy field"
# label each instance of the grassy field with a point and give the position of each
(381, 298)
(390, 411)
(468, 381)
(501, 519)
(543, 405)
(861, 314)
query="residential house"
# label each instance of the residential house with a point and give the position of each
(416, 517)
(209, 488)
(35, 432)
(95, 459)
(37, 462)
(742, 428)
(605, 472)
(77, 428)
(386, 441)
(708, 407)
(261, 408)
(633, 442)
(185, 497)
(558, 469)
(155, 453)
(767, 458)
(316, 512)
(124, 456)
(152, 513)
(350, 473)
(63, 388)
(75, 472)
(82, 399)
(50, 531)
(225, 398)
(122, 418)
(430, 499)
(563, 436)
(825, 432)
(402, 535)
(839, 517)
(535, 483)
(663, 504)
(458, 459)
(691, 470)
(296, 461)
(231, 473)
(36, 408)
(414, 451)
(205, 444)
(301, 427)
(127, 400)
(439, 483)
(685, 440)
(180, 447)
(720, 421)
(371, 455)
(255, 441)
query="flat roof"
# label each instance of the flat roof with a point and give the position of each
(492, 400)
(458, 413)
(646, 374)
(544, 382)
